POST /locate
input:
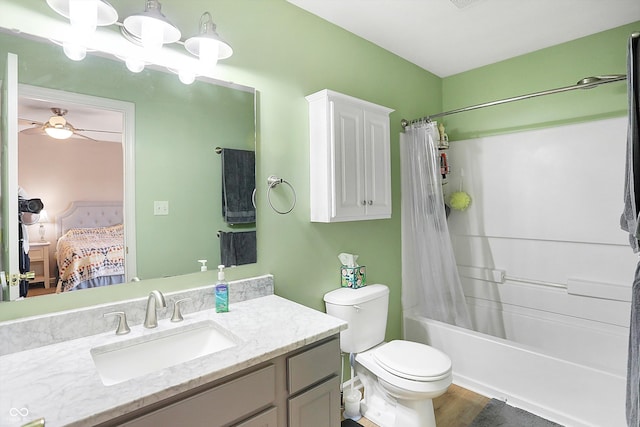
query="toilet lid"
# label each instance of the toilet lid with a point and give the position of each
(413, 361)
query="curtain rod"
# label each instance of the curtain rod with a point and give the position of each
(586, 83)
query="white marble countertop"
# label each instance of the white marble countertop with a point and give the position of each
(60, 382)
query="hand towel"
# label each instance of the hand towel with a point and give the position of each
(238, 248)
(238, 183)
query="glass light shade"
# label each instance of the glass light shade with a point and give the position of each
(58, 132)
(134, 65)
(74, 51)
(186, 76)
(151, 33)
(106, 14)
(208, 46)
(151, 27)
(209, 51)
(83, 15)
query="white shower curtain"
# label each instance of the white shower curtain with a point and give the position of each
(430, 283)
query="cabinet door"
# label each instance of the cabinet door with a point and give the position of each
(377, 165)
(318, 407)
(347, 161)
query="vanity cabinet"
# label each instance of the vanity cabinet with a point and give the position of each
(225, 404)
(314, 386)
(301, 388)
(350, 164)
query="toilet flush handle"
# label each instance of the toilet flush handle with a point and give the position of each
(357, 307)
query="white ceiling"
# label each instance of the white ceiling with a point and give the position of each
(447, 37)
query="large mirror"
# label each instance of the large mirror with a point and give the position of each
(175, 170)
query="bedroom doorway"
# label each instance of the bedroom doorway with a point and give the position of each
(96, 163)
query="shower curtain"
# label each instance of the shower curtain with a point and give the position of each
(430, 282)
(629, 222)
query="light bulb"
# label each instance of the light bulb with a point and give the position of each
(187, 76)
(134, 65)
(74, 51)
(208, 54)
(83, 15)
(152, 34)
(58, 133)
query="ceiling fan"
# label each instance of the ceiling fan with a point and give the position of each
(58, 127)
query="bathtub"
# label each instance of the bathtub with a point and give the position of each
(567, 393)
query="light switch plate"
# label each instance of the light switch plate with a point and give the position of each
(161, 207)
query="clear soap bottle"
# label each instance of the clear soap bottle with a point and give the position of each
(222, 292)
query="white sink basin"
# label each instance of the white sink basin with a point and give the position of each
(135, 357)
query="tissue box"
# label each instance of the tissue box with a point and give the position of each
(353, 277)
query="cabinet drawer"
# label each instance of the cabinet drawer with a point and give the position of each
(313, 365)
(268, 418)
(36, 254)
(219, 406)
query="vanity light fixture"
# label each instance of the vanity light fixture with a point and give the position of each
(208, 46)
(148, 31)
(84, 16)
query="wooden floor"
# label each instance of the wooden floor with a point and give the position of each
(456, 408)
(39, 289)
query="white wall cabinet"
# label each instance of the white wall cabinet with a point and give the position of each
(350, 161)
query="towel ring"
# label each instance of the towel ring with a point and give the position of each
(273, 182)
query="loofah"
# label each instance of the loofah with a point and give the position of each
(459, 200)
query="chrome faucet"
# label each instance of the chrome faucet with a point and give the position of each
(151, 319)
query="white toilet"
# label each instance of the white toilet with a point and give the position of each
(400, 378)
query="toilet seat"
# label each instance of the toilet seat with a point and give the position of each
(413, 361)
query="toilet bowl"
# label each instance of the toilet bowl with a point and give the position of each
(399, 392)
(400, 378)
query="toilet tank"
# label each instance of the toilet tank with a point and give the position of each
(365, 310)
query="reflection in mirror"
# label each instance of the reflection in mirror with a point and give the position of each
(177, 129)
(84, 196)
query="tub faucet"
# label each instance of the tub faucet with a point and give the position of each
(151, 319)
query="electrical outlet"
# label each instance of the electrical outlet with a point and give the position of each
(161, 207)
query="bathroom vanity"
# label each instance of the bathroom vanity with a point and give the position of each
(282, 361)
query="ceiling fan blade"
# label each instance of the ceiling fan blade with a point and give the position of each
(33, 131)
(76, 134)
(101, 131)
(27, 122)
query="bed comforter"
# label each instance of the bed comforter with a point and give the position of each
(87, 253)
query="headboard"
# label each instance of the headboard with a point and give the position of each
(83, 214)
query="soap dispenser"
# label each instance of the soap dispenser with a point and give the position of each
(203, 267)
(222, 292)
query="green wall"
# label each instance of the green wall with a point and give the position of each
(286, 54)
(554, 67)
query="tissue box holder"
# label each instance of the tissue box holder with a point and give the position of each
(353, 277)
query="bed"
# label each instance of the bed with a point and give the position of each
(90, 246)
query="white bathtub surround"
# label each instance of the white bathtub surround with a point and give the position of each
(37, 331)
(568, 393)
(430, 281)
(545, 270)
(59, 381)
